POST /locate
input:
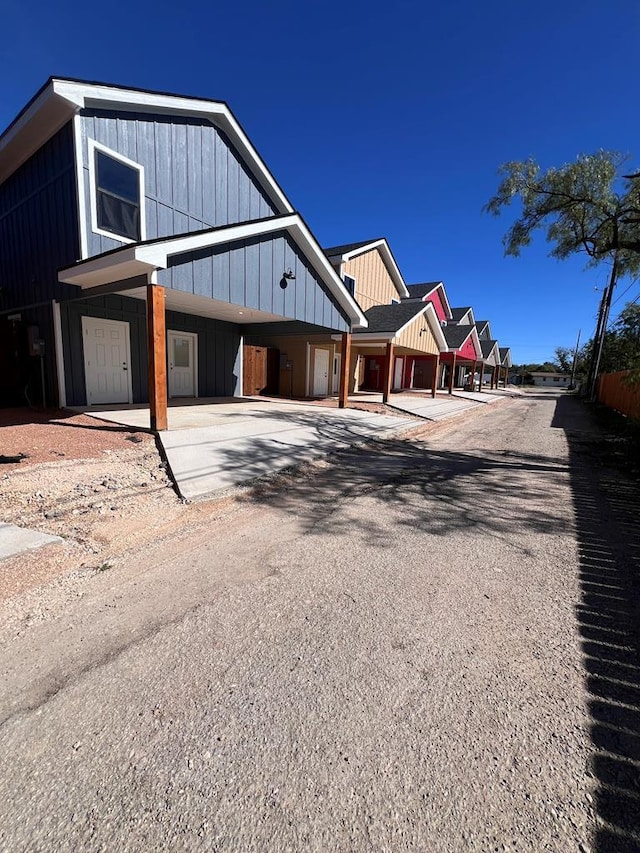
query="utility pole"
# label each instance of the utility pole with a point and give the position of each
(575, 361)
(601, 329)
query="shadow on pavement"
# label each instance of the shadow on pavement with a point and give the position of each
(607, 505)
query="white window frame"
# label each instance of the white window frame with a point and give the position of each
(94, 146)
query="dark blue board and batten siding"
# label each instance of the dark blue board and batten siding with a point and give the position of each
(193, 177)
(218, 347)
(248, 273)
(38, 234)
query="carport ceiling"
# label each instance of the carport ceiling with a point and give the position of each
(204, 306)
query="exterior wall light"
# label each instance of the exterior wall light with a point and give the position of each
(287, 276)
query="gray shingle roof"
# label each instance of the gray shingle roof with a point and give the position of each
(332, 251)
(390, 318)
(486, 347)
(455, 336)
(417, 291)
(458, 313)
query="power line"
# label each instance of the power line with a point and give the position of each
(633, 283)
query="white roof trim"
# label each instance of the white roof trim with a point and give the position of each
(61, 99)
(493, 353)
(387, 257)
(440, 286)
(145, 259)
(476, 341)
(434, 323)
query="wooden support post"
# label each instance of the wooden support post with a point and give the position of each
(157, 357)
(388, 376)
(436, 368)
(453, 370)
(345, 369)
(473, 375)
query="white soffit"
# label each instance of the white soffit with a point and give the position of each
(144, 259)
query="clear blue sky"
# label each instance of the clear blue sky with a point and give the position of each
(384, 119)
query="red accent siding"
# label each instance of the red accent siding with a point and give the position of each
(468, 350)
(436, 300)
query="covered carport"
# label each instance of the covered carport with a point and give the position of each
(116, 346)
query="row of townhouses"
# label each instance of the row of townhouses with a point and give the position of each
(147, 252)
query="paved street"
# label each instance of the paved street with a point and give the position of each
(415, 646)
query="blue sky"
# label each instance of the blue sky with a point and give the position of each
(384, 119)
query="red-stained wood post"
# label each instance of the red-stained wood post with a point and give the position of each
(436, 368)
(345, 368)
(388, 375)
(453, 370)
(157, 357)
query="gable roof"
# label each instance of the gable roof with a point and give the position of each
(389, 320)
(351, 250)
(489, 349)
(505, 356)
(424, 290)
(482, 326)
(60, 99)
(348, 248)
(456, 336)
(144, 258)
(458, 313)
(419, 291)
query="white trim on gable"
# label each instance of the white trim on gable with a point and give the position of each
(136, 259)
(439, 286)
(92, 147)
(434, 323)
(82, 205)
(61, 99)
(476, 341)
(387, 257)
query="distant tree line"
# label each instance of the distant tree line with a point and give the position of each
(621, 350)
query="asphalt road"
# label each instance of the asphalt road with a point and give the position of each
(384, 655)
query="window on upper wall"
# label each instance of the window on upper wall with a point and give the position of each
(117, 190)
(350, 284)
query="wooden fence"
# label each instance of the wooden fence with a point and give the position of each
(616, 393)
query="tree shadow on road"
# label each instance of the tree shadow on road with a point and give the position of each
(438, 491)
(607, 505)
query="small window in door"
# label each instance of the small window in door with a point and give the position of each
(181, 348)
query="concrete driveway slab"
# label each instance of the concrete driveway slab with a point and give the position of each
(16, 540)
(265, 440)
(433, 409)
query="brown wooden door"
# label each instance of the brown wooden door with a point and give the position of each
(260, 371)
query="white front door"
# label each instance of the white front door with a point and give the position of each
(107, 361)
(182, 350)
(337, 359)
(320, 372)
(397, 374)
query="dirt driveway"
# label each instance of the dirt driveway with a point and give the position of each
(422, 646)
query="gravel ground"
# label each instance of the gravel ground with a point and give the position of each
(382, 653)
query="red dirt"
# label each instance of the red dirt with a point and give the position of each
(55, 434)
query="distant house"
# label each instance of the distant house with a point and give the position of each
(550, 380)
